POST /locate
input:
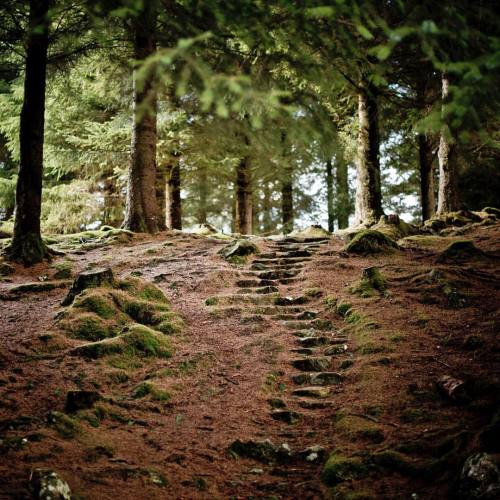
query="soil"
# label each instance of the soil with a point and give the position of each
(226, 368)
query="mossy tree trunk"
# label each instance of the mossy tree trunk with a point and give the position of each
(368, 189)
(27, 245)
(448, 200)
(287, 200)
(244, 196)
(329, 195)
(161, 195)
(141, 213)
(173, 195)
(343, 204)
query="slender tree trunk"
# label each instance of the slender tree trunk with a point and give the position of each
(113, 203)
(161, 196)
(27, 245)
(244, 196)
(173, 198)
(426, 176)
(447, 156)
(368, 189)
(202, 194)
(343, 207)
(329, 195)
(287, 200)
(266, 209)
(141, 212)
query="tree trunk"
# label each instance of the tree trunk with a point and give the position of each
(368, 190)
(203, 194)
(27, 245)
(287, 200)
(343, 204)
(173, 198)
(141, 212)
(266, 209)
(426, 176)
(447, 156)
(244, 196)
(161, 196)
(329, 195)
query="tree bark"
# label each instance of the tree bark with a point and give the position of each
(426, 176)
(173, 201)
(141, 212)
(447, 155)
(343, 203)
(287, 200)
(329, 195)
(202, 194)
(27, 245)
(368, 189)
(244, 196)
(161, 196)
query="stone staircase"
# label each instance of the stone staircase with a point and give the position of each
(262, 296)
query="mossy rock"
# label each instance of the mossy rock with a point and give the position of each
(204, 229)
(40, 286)
(65, 426)
(368, 241)
(460, 251)
(149, 389)
(394, 227)
(371, 283)
(238, 251)
(314, 232)
(340, 468)
(139, 341)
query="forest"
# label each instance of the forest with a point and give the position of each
(249, 249)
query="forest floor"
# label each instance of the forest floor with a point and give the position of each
(235, 368)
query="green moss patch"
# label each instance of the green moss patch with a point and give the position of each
(369, 241)
(372, 283)
(340, 468)
(149, 389)
(460, 251)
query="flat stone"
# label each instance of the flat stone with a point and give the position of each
(312, 392)
(306, 351)
(276, 403)
(313, 341)
(335, 350)
(287, 416)
(291, 301)
(322, 378)
(264, 451)
(315, 405)
(311, 364)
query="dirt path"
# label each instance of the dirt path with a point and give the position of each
(299, 372)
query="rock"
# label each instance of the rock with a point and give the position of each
(204, 229)
(339, 468)
(80, 400)
(240, 248)
(313, 232)
(6, 269)
(263, 451)
(315, 405)
(393, 227)
(460, 251)
(47, 485)
(311, 364)
(287, 416)
(322, 378)
(452, 388)
(290, 301)
(368, 241)
(335, 350)
(89, 279)
(479, 478)
(312, 392)
(313, 341)
(276, 403)
(312, 454)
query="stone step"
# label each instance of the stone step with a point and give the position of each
(295, 253)
(228, 300)
(322, 340)
(282, 260)
(261, 290)
(321, 378)
(287, 416)
(305, 351)
(291, 301)
(270, 310)
(315, 324)
(303, 316)
(254, 283)
(292, 266)
(319, 364)
(317, 392)
(272, 275)
(335, 350)
(308, 404)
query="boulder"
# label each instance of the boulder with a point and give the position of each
(240, 248)
(479, 478)
(368, 241)
(460, 251)
(47, 485)
(263, 451)
(313, 232)
(89, 279)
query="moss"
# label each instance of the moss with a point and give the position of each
(97, 301)
(65, 426)
(346, 363)
(313, 292)
(330, 302)
(372, 348)
(117, 377)
(339, 468)
(89, 326)
(369, 242)
(394, 227)
(343, 308)
(460, 251)
(371, 283)
(148, 389)
(393, 460)
(357, 427)
(63, 270)
(211, 301)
